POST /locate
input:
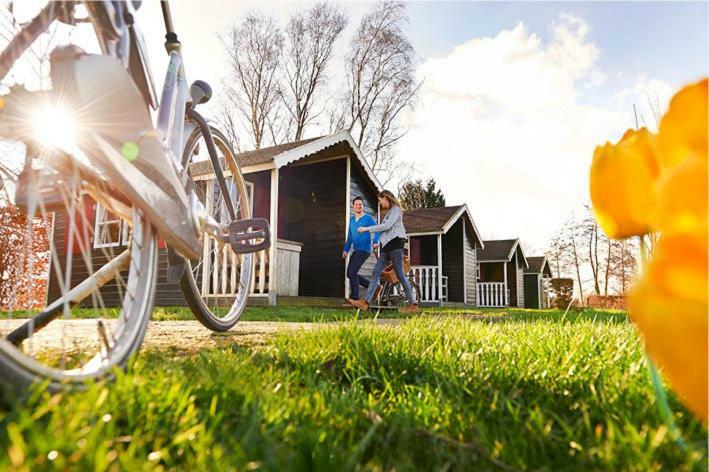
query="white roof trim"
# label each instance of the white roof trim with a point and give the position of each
(305, 150)
(454, 218)
(545, 263)
(511, 253)
(425, 233)
(514, 248)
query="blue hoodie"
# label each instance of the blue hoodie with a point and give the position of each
(361, 241)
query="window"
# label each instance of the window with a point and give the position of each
(109, 230)
(478, 272)
(213, 198)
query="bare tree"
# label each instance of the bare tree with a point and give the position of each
(558, 255)
(624, 263)
(310, 37)
(381, 85)
(574, 233)
(593, 238)
(254, 47)
(226, 113)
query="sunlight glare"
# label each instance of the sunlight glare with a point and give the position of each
(55, 126)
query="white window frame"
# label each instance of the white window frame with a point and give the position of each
(250, 190)
(123, 232)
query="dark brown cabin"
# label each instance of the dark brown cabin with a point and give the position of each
(501, 279)
(443, 243)
(536, 283)
(303, 188)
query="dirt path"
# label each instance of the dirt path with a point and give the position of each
(179, 335)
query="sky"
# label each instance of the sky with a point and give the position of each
(515, 95)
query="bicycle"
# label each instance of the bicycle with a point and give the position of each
(127, 167)
(392, 294)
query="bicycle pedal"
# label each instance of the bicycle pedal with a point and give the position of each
(251, 235)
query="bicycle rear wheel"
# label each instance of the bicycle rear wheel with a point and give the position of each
(77, 262)
(217, 287)
(395, 295)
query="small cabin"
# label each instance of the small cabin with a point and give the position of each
(536, 283)
(442, 246)
(501, 274)
(303, 188)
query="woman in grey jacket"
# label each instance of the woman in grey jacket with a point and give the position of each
(391, 240)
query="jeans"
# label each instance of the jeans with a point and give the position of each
(397, 258)
(356, 260)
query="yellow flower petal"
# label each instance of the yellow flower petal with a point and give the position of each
(669, 305)
(623, 184)
(683, 129)
(683, 193)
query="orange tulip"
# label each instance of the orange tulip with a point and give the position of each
(683, 129)
(682, 195)
(669, 305)
(623, 184)
(659, 184)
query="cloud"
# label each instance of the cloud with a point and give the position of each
(501, 127)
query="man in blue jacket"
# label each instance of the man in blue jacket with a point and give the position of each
(361, 243)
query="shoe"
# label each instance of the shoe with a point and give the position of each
(409, 309)
(360, 304)
(377, 292)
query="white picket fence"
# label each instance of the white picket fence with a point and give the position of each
(426, 276)
(492, 294)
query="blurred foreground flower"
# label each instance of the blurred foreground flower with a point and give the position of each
(658, 183)
(623, 184)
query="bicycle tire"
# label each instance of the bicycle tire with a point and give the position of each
(18, 371)
(394, 295)
(59, 365)
(194, 289)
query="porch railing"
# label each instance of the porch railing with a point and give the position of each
(426, 276)
(259, 282)
(492, 294)
(219, 271)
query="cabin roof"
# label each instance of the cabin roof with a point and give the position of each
(425, 220)
(538, 265)
(275, 157)
(437, 220)
(501, 250)
(265, 155)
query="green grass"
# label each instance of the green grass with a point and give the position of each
(518, 392)
(299, 314)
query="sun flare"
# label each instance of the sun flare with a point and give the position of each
(55, 126)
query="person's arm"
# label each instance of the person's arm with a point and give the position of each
(389, 221)
(375, 239)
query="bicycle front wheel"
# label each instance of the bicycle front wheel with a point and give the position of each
(217, 287)
(74, 305)
(77, 260)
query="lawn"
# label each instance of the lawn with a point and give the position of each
(512, 391)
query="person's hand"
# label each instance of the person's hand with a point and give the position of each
(344, 254)
(361, 229)
(375, 245)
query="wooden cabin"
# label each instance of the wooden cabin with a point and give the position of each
(442, 245)
(501, 274)
(536, 283)
(303, 188)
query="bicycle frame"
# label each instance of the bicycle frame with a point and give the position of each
(156, 183)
